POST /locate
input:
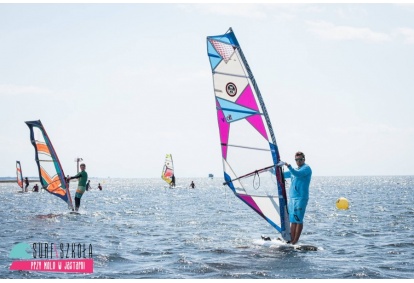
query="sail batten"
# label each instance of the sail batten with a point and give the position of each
(233, 75)
(246, 147)
(243, 120)
(252, 173)
(51, 175)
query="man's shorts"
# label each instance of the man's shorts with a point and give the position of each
(79, 192)
(296, 208)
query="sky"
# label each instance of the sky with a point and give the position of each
(121, 85)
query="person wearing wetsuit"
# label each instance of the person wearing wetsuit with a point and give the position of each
(83, 177)
(88, 185)
(26, 181)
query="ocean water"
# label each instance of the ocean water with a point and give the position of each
(139, 228)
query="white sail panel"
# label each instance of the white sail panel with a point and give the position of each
(229, 87)
(232, 67)
(269, 207)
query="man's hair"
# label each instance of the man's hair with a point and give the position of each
(300, 153)
(83, 164)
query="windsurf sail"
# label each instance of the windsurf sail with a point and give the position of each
(248, 144)
(19, 174)
(51, 175)
(168, 169)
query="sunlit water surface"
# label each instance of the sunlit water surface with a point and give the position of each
(139, 228)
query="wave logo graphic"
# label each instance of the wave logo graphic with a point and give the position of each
(25, 262)
(20, 251)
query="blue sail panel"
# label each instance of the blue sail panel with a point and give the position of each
(213, 55)
(233, 111)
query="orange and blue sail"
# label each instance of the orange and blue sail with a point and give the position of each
(19, 174)
(248, 145)
(51, 175)
(167, 169)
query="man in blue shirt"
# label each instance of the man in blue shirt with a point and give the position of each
(298, 195)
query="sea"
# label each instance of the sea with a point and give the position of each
(142, 229)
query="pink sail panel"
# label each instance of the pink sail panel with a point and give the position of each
(247, 99)
(224, 129)
(249, 200)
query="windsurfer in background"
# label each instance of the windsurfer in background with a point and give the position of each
(26, 181)
(298, 194)
(36, 188)
(172, 184)
(83, 177)
(100, 187)
(192, 185)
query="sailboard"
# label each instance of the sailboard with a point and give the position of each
(51, 175)
(248, 145)
(19, 174)
(168, 169)
(282, 245)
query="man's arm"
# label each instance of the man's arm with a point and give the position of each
(303, 171)
(77, 176)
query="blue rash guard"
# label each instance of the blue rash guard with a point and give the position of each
(299, 192)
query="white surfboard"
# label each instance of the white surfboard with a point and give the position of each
(279, 244)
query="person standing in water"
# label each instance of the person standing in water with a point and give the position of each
(172, 184)
(298, 194)
(88, 185)
(192, 185)
(26, 181)
(83, 177)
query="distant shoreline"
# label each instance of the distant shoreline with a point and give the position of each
(15, 181)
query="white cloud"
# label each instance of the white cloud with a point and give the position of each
(330, 31)
(372, 130)
(239, 10)
(9, 89)
(407, 34)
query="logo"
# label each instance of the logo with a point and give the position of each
(231, 89)
(51, 257)
(20, 251)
